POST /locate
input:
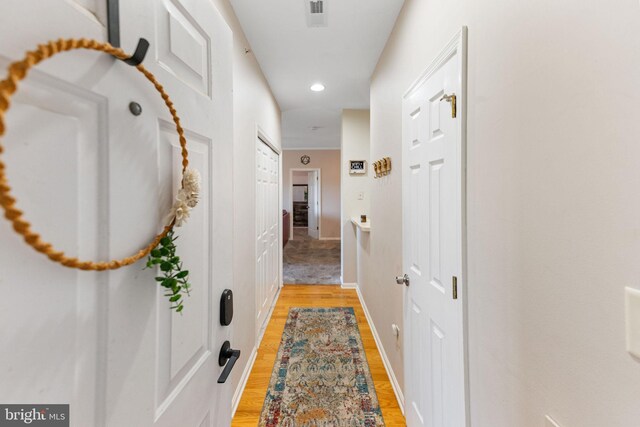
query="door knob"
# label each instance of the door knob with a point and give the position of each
(402, 280)
(229, 357)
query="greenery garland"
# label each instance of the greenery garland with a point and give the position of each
(175, 280)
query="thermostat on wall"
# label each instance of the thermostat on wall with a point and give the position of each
(357, 166)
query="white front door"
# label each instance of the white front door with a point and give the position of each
(98, 181)
(433, 200)
(268, 218)
(313, 201)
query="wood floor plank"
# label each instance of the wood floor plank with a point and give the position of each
(250, 407)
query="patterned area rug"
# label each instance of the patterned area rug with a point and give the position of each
(321, 377)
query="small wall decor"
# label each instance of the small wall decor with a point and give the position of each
(382, 167)
(305, 159)
(357, 167)
(161, 250)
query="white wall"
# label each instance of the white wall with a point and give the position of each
(254, 105)
(553, 206)
(300, 178)
(355, 146)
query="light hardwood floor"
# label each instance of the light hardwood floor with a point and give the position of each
(250, 407)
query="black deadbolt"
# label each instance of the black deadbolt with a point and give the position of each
(226, 307)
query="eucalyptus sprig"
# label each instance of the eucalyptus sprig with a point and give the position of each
(175, 280)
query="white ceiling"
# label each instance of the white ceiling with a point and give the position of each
(293, 56)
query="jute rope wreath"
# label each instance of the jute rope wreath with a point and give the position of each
(18, 71)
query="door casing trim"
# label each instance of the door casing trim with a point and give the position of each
(291, 171)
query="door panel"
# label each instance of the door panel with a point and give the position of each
(54, 316)
(184, 341)
(183, 46)
(415, 321)
(432, 224)
(435, 206)
(438, 374)
(98, 182)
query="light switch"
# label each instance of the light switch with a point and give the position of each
(632, 308)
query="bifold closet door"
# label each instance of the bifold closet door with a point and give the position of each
(267, 229)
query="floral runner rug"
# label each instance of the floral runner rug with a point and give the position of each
(321, 377)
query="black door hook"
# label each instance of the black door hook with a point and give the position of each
(113, 30)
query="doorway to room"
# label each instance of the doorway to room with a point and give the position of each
(311, 210)
(305, 203)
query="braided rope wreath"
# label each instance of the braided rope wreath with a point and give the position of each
(18, 71)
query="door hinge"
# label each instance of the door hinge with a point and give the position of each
(455, 287)
(452, 99)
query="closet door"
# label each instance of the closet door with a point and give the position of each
(267, 230)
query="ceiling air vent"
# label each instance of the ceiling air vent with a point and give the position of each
(316, 13)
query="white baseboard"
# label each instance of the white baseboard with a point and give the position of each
(263, 328)
(252, 358)
(243, 381)
(385, 360)
(349, 286)
(330, 238)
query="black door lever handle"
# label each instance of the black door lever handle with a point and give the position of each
(229, 357)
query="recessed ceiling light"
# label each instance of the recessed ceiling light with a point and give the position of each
(317, 87)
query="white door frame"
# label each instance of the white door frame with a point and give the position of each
(457, 44)
(291, 171)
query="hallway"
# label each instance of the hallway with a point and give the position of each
(467, 173)
(250, 406)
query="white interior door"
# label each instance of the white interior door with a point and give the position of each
(433, 247)
(268, 216)
(313, 190)
(98, 181)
